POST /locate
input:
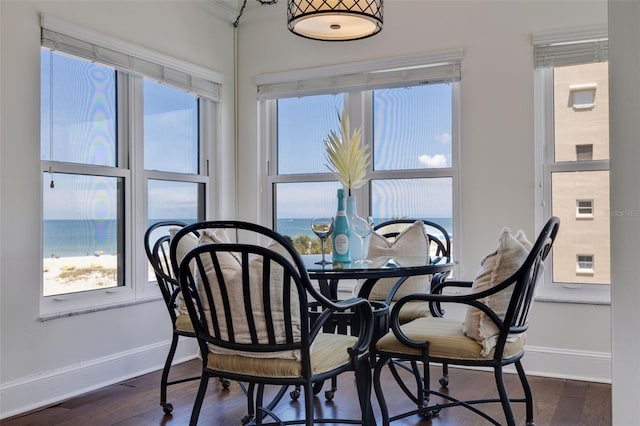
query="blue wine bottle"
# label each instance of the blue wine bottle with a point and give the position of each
(340, 236)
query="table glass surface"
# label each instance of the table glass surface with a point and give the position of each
(384, 266)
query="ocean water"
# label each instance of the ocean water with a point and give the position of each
(64, 238)
(294, 227)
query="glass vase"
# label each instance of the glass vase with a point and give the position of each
(354, 240)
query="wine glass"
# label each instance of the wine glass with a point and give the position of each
(322, 227)
(362, 229)
(371, 222)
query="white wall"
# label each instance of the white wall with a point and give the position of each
(624, 74)
(497, 134)
(42, 362)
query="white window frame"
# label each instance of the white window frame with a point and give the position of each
(356, 81)
(583, 88)
(71, 39)
(588, 270)
(562, 48)
(582, 215)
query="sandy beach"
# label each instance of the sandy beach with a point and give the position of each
(70, 274)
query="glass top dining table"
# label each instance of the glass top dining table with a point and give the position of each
(399, 267)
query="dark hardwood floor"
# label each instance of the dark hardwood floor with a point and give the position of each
(135, 402)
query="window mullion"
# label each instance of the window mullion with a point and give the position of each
(132, 151)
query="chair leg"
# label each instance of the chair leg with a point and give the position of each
(444, 380)
(377, 386)
(363, 383)
(259, 401)
(527, 393)
(197, 404)
(504, 397)
(167, 407)
(308, 404)
(424, 386)
(251, 408)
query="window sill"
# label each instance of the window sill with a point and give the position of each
(599, 294)
(82, 311)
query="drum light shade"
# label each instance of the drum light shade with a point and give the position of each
(334, 20)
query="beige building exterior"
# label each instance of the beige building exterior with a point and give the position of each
(580, 198)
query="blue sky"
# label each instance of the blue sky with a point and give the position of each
(411, 130)
(78, 125)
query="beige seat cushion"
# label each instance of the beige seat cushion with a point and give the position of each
(183, 323)
(446, 340)
(412, 310)
(496, 267)
(328, 352)
(411, 241)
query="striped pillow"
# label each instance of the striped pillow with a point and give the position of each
(496, 267)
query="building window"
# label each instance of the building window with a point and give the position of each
(584, 264)
(119, 151)
(584, 209)
(574, 145)
(584, 152)
(583, 96)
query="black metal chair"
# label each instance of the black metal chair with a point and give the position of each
(439, 243)
(249, 305)
(156, 244)
(439, 340)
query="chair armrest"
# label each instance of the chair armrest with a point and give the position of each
(438, 286)
(438, 282)
(471, 299)
(362, 314)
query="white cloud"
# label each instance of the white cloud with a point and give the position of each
(444, 138)
(437, 161)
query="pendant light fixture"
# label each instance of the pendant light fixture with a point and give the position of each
(334, 20)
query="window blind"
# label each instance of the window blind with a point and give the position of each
(433, 68)
(571, 48)
(74, 40)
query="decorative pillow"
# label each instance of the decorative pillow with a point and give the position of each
(511, 253)
(232, 273)
(186, 244)
(411, 241)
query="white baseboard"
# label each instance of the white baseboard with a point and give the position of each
(48, 388)
(568, 364)
(563, 364)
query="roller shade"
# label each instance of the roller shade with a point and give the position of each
(73, 40)
(571, 48)
(426, 69)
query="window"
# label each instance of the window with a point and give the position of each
(573, 136)
(82, 248)
(584, 152)
(119, 151)
(583, 96)
(584, 264)
(584, 209)
(410, 126)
